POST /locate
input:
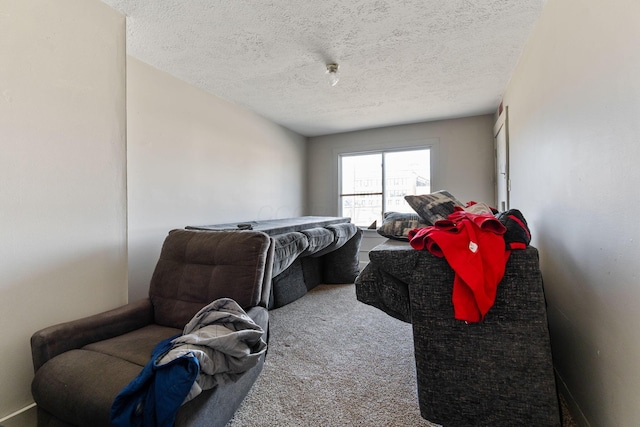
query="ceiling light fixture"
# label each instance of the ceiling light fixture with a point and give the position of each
(332, 74)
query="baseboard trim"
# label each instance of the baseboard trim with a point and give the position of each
(18, 412)
(576, 412)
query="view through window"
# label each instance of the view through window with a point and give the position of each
(373, 183)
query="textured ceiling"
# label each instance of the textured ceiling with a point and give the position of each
(401, 61)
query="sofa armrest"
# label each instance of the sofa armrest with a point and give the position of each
(54, 340)
(260, 315)
(343, 265)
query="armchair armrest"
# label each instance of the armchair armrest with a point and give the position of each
(54, 340)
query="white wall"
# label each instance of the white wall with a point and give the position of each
(195, 159)
(574, 110)
(62, 174)
(462, 158)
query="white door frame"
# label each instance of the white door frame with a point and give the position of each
(501, 149)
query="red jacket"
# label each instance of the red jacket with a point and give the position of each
(474, 247)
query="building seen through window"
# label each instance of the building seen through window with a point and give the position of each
(373, 183)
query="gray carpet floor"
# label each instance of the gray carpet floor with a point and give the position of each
(333, 361)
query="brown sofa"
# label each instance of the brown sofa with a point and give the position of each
(80, 366)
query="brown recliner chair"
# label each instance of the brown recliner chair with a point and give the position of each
(80, 366)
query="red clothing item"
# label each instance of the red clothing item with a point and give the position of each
(474, 247)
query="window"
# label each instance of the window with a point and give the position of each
(373, 183)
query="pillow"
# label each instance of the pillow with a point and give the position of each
(396, 225)
(433, 207)
(478, 208)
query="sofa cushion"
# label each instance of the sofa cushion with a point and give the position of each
(135, 346)
(433, 207)
(396, 225)
(66, 386)
(197, 267)
(342, 233)
(319, 238)
(288, 247)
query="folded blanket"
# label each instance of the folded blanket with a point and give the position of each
(219, 344)
(224, 339)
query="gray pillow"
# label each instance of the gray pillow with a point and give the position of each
(396, 225)
(433, 207)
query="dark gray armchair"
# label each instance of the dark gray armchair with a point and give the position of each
(80, 366)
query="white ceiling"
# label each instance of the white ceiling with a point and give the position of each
(401, 61)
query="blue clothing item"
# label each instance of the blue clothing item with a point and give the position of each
(153, 397)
